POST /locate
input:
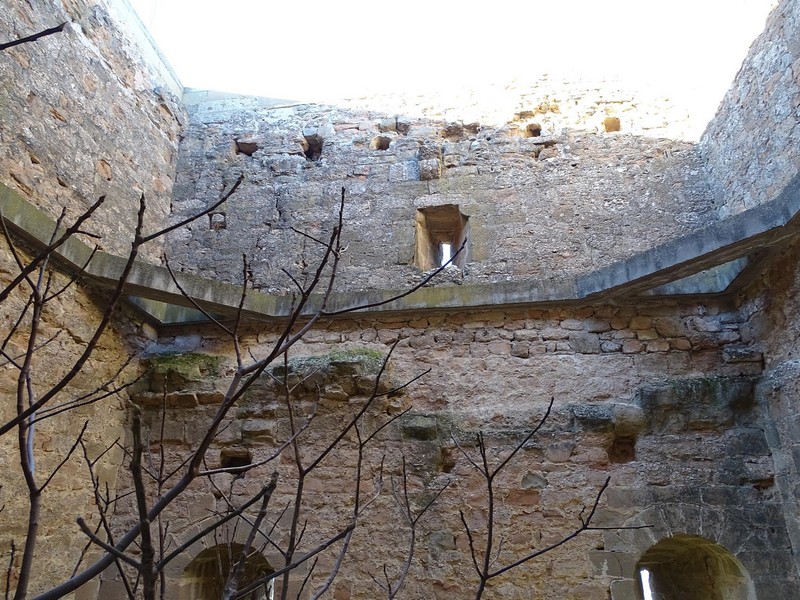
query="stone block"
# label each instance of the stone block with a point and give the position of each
(523, 497)
(669, 326)
(619, 323)
(535, 481)
(258, 430)
(419, 427)
(572, 324)
(457, 171)
(404, 171)
(430, 169)
(520, 349)
(597, 326)
(608, 346)
(289, 166)
(559, 452)
(501, 347)
(736, 353)
(527, 335)
(554, 333)
(594, 417)
(631, 346)
(705, 324)
(584, 342)
(624, 589)
(658, 346)
(680, 344)
(640, 322)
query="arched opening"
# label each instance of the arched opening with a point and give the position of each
(689, 567)
(204, 578)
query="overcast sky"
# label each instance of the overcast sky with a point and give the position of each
(319, 50)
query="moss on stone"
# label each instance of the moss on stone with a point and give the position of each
(179, 369)
(204, 363)
(351, 371)
(369, 360)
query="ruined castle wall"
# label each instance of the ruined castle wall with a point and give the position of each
(771, 324)
(86, 112)
(68, 323)
(659, 398)
(751, 145)
(560, 179)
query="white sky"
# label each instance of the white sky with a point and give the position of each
(317, 50)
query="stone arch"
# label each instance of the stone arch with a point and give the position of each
(690, 567)
(205, 575)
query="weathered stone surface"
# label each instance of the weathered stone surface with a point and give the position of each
(492, 392)
(662, 395)
(106, 123)
(68, 322)
(747, 166)
(493, 172)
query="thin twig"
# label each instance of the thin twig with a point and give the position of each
(194, 217)
(425, 281)
(34, 37)
(50, 249)
(107, 547)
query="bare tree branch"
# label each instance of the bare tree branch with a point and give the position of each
(33, 37)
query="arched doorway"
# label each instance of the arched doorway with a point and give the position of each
(689, 567)
(205, 576)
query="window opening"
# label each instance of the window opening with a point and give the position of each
(246, 147)
(236, 459)
(690, 567)
(445, 252)
(380, 142)
(611, 124)
(205, 576)
(647, 591)
(441, 231)
(533, 130)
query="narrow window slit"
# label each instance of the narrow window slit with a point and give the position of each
(644, 574)
(445, 250)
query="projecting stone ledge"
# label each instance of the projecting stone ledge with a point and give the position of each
(726, 240)
(153, 289)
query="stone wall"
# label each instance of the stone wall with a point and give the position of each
(666, 398)
(68, 323)
(751, 145)
(565, 179)
(770, 310)
(659, 398)
(87, 112)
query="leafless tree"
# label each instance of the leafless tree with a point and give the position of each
(391, 585)
(485, 554)
(38, 284)
(156, 489)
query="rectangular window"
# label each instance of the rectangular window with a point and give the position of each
(441, 231)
